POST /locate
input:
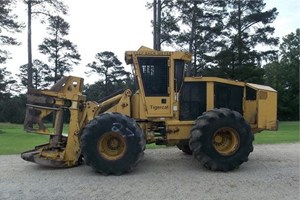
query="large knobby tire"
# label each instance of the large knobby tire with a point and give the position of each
(221, 139)
(112, 143)
(184, 147)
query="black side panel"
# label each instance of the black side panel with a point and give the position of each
(250, 93)
(192, 100)
(229, 96)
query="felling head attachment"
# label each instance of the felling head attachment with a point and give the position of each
(52, 105)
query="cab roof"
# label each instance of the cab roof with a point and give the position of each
(145, 51)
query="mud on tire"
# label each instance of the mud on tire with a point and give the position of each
(112, 143)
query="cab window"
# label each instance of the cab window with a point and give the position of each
(155, 75)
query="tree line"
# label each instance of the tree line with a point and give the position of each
(62, 55)
(230, 39)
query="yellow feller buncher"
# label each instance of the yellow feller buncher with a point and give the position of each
(212, 118)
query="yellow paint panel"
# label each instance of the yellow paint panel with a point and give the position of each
(250, 112)
(210, 96)
(156, 107)
(214, 79)
(179, 130)
(267, 111)
(136, 110)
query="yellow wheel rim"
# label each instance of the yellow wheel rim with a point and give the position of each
(226, 141)
(112, 146)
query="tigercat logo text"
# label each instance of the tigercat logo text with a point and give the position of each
(152, 107)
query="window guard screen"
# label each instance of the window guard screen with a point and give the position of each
(155, 75)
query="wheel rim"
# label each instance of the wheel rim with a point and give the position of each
(226, 141)
(112, 146)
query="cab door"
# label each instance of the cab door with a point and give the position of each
(155, 75)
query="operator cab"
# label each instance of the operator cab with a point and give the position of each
(159, 78)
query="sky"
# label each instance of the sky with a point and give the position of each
(117, 26)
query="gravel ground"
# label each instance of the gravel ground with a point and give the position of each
(271, 173)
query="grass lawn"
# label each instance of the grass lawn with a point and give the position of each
(13, 140)
(288, 132)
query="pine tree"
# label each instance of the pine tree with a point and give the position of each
(193, 26)
(5, 82)
(165, 22)
(248, 26)
(283, 75)
(203, 22)
(61, 52)
(8, 26)
(37, 8)
(39, 76)
(112, 73)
